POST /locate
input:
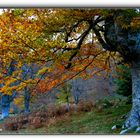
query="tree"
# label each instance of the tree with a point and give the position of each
(67, 43)
(6, 99)
(124, 81)
(64, 95)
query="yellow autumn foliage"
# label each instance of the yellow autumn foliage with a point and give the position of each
(19, 101)
(42, 71)
(21, 86)
(6, 90)
(10, 81)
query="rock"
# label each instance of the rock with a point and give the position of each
(138, 130)
(114, 127)
(124, 117)
(124, 132)
(128, 130)
(123, 127)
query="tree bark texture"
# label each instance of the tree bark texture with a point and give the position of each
(134, 117)
(27, 100)
(5, 103)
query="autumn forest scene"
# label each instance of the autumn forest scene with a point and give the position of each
(69, 71)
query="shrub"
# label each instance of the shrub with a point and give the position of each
(104, 103)
(64, 94)
(85, 106)
(40, 118)
(12, 125)
(54, 111)
(36, 123)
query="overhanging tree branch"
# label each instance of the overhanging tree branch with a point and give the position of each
(79, 45)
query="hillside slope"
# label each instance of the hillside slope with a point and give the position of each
(97, 121)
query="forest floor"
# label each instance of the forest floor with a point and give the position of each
(94, 122)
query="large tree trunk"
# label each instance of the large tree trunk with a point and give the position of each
(133, 121)
(127, 43)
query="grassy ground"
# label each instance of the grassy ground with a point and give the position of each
(93, 122)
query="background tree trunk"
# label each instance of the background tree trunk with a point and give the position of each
(5, 103)
(27, 100)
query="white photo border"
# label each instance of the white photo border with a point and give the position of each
(70, 3)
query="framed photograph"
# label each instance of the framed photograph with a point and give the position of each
(69, 69)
